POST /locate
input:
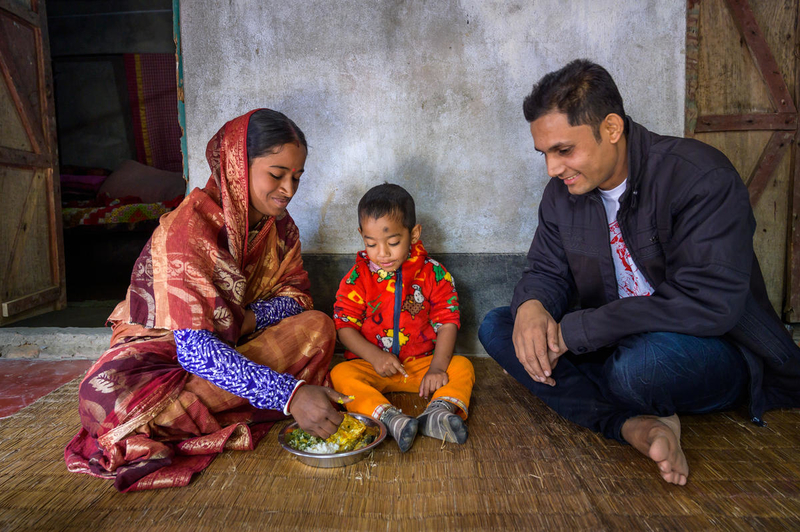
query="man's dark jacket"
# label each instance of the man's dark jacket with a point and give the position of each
(686, 219)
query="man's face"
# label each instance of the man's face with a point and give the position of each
(574, 156)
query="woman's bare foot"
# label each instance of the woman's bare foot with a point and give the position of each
(659, 438)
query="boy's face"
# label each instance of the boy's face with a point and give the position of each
(387, 241)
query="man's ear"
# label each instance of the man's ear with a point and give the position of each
(416, 233)
(614, 125)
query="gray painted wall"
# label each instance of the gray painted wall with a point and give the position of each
(424, 94)
(427, 95)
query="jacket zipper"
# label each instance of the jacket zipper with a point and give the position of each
(596, 197)
(398, 302)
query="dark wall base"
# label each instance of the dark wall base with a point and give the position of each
(484, 281)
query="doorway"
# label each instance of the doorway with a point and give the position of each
(119, 153)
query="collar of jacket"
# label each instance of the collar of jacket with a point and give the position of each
(639, 141)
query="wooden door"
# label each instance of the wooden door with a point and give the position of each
(741, 79)
(31, 244)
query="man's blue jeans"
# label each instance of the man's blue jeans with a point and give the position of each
(656, 374)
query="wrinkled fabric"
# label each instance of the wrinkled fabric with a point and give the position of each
(688, 224)
(148, 423)
(271, 311)
(203, 354)
(400, 311)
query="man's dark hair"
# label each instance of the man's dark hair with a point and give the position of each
(388, 200)
(268, 130)
(582, 90)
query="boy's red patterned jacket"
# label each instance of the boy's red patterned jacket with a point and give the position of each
(369, 300)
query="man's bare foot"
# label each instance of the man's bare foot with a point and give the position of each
(659, 438)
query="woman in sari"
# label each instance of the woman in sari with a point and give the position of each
(216, 339)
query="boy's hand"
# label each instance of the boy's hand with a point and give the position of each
(432, 381)
(386, 364)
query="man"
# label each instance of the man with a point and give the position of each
(643, 297)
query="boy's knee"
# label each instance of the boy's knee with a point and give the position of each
(461, 366)
(339, 373)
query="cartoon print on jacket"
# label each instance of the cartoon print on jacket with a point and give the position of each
(414, 302)
(424, 297)
(387, 341)
(441, 273)
(345, 317)
(383, 275)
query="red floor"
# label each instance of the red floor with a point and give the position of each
(24, 381)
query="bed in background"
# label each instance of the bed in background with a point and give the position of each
(107, 219)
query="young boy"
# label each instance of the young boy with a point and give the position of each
(396, 313)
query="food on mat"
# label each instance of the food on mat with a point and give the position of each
(352, 434)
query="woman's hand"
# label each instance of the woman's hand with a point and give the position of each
(432, 381)
(386, 364)
(312, 409)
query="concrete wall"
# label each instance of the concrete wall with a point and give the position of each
(426, 94)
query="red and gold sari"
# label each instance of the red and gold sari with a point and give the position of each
(147, 422)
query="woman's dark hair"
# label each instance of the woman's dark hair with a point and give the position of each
(388, 200)
(268, 130)
(582, 90)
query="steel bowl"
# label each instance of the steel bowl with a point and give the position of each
(336, 459)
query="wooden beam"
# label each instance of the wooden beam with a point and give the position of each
(791, 311)
(746, 23)
(692, 66)
(15, 306)
(53, 176)
(25, 221)
(765, 168)
(791, 307)
(25, 159)
(18, 10)
(747, 122)
(33, 127)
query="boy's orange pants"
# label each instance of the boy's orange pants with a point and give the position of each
(359, 379)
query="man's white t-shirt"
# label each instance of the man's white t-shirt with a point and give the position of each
(630, 281)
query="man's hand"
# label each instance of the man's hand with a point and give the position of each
(537, 341)
(432, 381)
(312, 409)
(386, 364)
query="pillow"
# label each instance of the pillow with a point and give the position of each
(150, 184)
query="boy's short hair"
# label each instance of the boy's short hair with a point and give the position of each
(582, 90)
(388, 200)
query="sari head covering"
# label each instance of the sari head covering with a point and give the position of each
(198, 271)
(194, 273)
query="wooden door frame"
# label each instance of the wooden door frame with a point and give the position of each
(41, 132)
(783, 122)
